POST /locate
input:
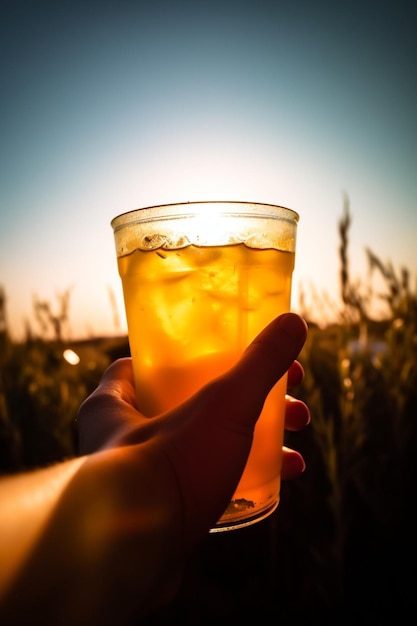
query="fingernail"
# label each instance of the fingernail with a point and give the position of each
(293, 325)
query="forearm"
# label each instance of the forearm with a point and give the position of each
(27, 502)
(87, 541)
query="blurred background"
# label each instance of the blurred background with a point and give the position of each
(110, 106)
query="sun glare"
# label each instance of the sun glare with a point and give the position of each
(71, 357)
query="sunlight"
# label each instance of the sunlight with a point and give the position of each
(71, 357)
(214, 223)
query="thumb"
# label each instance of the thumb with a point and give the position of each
(264, 362)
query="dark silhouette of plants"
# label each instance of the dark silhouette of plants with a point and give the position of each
(40, 391)
(48, 319)
(361, 386)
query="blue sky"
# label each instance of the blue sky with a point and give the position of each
(109, 106)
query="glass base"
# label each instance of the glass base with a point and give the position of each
(234, 522)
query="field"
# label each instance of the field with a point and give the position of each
(341, 546)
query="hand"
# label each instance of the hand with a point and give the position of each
(206, 439)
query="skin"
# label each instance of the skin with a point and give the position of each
(104, 538)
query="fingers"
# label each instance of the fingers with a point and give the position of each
(118, 380)
(292, 464)
(297, 414)
(295, 375)
(109, 410)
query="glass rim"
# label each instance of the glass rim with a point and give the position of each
(269, 210)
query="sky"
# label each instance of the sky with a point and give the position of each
(111, 106)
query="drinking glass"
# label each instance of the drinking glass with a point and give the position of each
(200, 281)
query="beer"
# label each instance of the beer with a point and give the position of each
(191, 312)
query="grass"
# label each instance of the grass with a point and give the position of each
(342, 540)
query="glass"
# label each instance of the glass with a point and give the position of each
(200, 281)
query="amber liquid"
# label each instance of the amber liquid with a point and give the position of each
(190, 313)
